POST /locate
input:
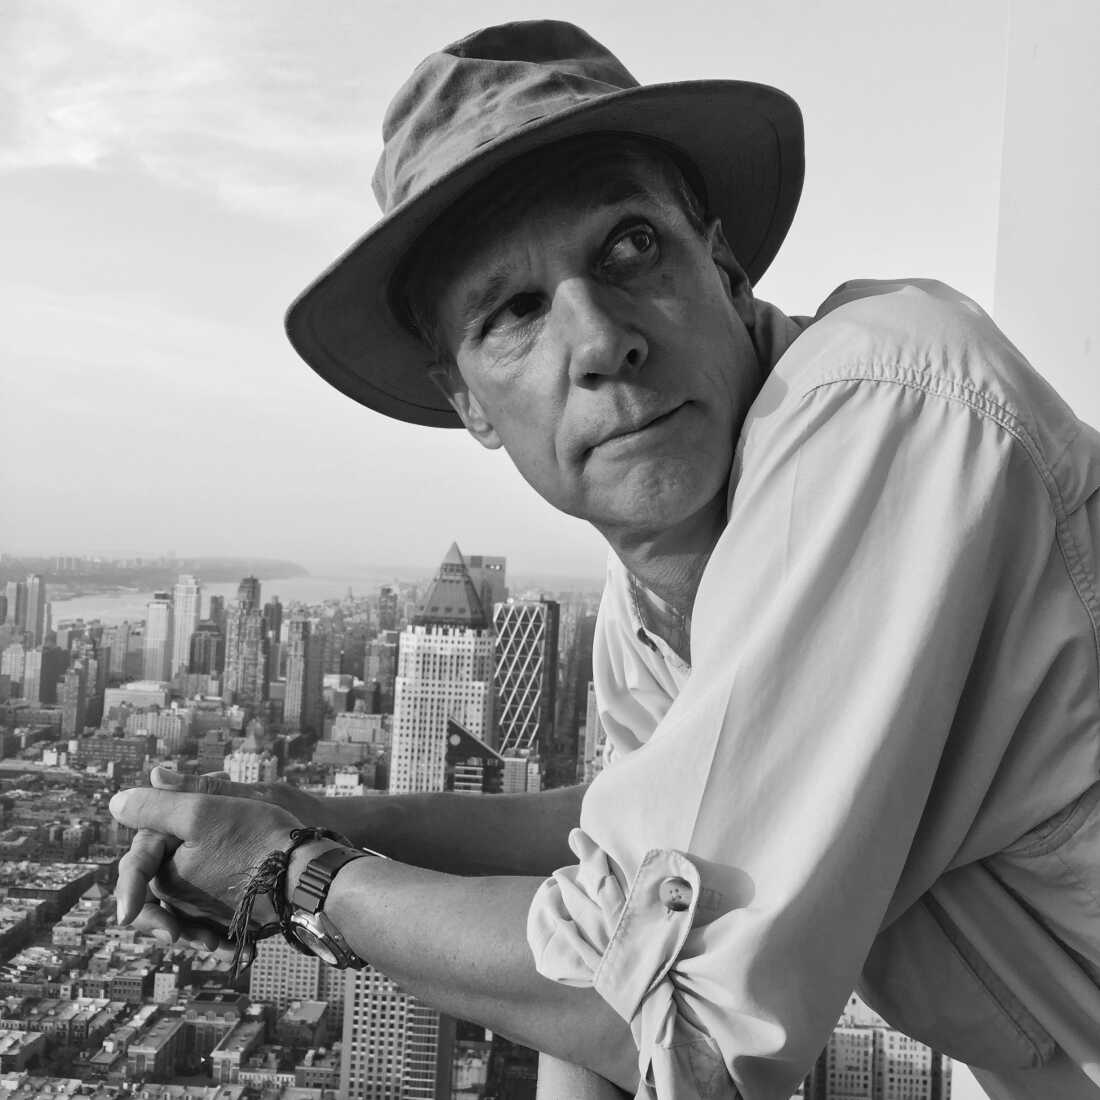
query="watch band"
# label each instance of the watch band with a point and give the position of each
(314, 882)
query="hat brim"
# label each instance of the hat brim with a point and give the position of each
(745, 139)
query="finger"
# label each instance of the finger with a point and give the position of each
(177, 813)
(137, 869)
(157, 920)
(203, 936)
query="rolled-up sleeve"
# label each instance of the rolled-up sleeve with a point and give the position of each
(880, 529)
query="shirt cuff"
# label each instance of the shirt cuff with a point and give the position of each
(585, 931)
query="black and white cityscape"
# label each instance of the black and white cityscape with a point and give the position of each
(461, 680)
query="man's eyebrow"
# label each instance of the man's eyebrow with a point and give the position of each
(619, 190)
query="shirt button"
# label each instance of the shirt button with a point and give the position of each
(675, 894)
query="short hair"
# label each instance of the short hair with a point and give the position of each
(435, 255)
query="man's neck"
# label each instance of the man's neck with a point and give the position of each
(670, 563)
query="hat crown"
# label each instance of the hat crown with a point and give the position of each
(483, 88)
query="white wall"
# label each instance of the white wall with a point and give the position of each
(1047, 284)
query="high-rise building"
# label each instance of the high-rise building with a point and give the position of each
(394, 1046)
(489, 575)
(471, 766)
(304, 706)
(13, 661)
(16, 592)
(526, 674)
(158, 637)
(273, 618)
(186, 601)
(380, 670)
(280, 974)
(245, 679)
(32, 676)
(387, 608)
(73, 698)
(36, 624)
(207, 649)
(248, 593)
(3, 607)
(452, 599)
(54, 663)
(444, 671)
(216, 613)
(118, 638)
(867, 1059)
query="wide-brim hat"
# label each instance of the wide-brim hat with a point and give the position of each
(480, 103)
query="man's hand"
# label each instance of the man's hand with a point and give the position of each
(196, 853)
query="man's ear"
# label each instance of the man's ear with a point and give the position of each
(733, 275)
(453, 387)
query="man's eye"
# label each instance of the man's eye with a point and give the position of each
(516, 308)
(635, 244)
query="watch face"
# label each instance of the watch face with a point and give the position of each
(313, 940)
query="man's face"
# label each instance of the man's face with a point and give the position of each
(599, 341)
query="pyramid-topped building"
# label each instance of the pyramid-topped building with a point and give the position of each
(452, 599)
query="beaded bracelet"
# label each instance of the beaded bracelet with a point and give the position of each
(270, 878)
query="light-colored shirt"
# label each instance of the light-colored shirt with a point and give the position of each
(880, 769)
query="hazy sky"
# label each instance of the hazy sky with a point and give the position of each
(171, 174)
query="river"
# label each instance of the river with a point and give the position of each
(129, 604)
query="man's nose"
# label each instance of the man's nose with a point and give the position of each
(598, 333)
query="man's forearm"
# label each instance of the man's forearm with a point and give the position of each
(460, 945)
(522, 834)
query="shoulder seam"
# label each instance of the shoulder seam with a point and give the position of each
(980, 403)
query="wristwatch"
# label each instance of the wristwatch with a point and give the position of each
(307, 928)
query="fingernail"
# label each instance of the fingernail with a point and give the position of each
(161, 935)
(169, 777)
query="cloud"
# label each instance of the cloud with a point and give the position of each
(201, 96)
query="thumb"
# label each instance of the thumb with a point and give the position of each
(176, 814)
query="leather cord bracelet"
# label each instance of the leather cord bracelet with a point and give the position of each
(270, 878)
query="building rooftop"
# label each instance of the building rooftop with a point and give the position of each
(304, 1012)
(451, 599)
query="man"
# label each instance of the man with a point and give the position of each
(847, 654)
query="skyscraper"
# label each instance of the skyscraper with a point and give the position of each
(36, 608)
(186, 599)
(394, 1046)
(13, 660)
(248, 593)
(245, 679)
(444, 671)
(273, 618)
(119, 641)
(489, 576)
(217, 612)
(304, 706)
(32, 676)
(16, 592)
(158, 637)
(526, 674)
(387, 608)
(73, 698)
(207, 649)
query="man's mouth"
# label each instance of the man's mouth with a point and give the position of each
(628, 431)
